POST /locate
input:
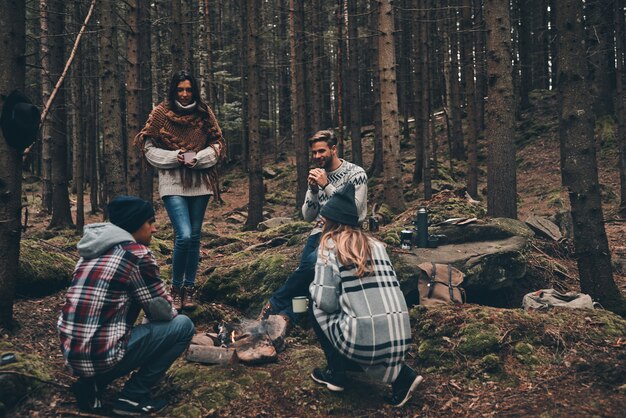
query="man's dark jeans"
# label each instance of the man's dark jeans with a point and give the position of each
(297, 284)
(152, 349)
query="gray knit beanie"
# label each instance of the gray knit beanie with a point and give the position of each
(341, 207)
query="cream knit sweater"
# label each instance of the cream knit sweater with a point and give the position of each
(170, 179)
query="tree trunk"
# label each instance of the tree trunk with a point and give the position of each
(600, 53)
(480, 39)
(180, 42)
(113, 150)
(469, 87)
(540, 45)
(500, 110)
(619, 94)
(422, 85)
(145, 93)
(133, 105)
(393, 191)
(255, 167)
(12, 69)
(457, 148)
(353, 80)
(296, 40)
(339, 98)
(377, 163)
(315, 68)
(46, 90)
(524, 45)
(284, 104)
(578, 160)
(61, 213)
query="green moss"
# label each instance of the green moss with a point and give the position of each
(491, 363)
(292, 228)
(247, 285)
(42, 271)
(14, 387)
(524, 352)
(478, 339)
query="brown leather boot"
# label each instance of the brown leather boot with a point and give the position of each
(189, 301)
(178, 294)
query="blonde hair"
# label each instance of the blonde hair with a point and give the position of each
(352, 244)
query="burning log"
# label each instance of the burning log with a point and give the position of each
(211, 355)
(253, 341)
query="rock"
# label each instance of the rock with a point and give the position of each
(236, 218)
(268, 173)
(544, 227)
(274, 223)
(492, 256)
(43, 269)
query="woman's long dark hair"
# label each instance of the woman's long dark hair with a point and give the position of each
(177, 78)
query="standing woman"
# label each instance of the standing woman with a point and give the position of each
(361, 317)
(183, 140)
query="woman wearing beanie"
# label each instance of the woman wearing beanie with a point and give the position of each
(361, 316)
(183, 140)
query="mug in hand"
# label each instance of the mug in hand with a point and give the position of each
(300, 304)
(189, 156)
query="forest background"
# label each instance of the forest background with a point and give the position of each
(275, 71)
(380, 73)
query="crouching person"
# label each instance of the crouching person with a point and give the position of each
(115, 278)
(361, 316)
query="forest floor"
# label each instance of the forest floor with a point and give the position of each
(539, 193)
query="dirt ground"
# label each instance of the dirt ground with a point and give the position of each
(550, 394)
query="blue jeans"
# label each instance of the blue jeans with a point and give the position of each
(186, 214)
(297, 284)
(152, 349)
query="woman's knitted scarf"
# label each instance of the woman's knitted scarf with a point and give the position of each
(190, 132)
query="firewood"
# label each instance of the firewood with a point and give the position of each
(211, 355)
(202, 339)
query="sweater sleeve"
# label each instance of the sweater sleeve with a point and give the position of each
(206, 157)
(326, 286)
(311, 206)
(360, 193)
(159, 157)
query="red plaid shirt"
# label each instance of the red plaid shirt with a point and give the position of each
(102, 304)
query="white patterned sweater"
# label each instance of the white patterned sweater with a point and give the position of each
(347, 172)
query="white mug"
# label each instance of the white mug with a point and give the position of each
(300, 304)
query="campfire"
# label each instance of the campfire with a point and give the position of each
(250, 342)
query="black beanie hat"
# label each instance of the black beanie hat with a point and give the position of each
(129, 212)
(341, 207)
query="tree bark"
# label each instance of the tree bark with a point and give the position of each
(12, 69)
(353, 80)
(111, 119)
(619, 108)
(389, 108)
(256, 196)
(133, 106)
(578, 160)
(46, 91)
(500, 110)
(61, 213)
(296, 41)
(600, 52)
(377, 163)
(469, 88)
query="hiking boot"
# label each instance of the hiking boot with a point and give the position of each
(131, 407)
(404, 386)
(178, 294)
(333, 380)
(266, 311)
(85, 391)
(189, 301)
